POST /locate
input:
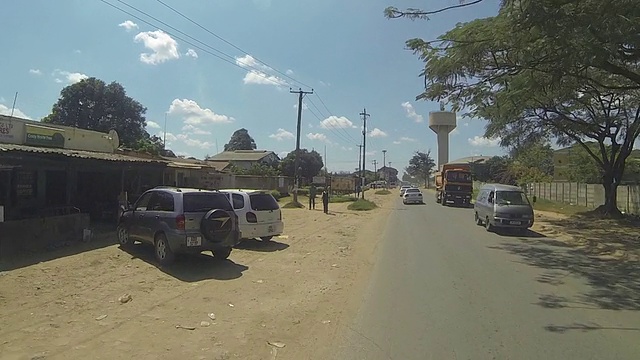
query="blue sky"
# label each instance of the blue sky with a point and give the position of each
(346, 51)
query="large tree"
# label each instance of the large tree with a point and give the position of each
(310, 164)
(421, 166)
(530, 84)
(93, 105)
(240, 140)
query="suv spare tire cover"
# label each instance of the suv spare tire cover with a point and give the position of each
(216, 225)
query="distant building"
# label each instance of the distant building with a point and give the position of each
(388, 173)
(243, 159)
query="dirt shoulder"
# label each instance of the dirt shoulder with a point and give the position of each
(605, 239)
(293, 292)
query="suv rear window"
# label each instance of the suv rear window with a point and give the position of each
(261, 202)
(203, 201)
(413, 190)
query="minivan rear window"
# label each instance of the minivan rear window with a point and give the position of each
(203, 202)
(262, 202)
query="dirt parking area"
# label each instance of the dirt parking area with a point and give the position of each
(283, 299)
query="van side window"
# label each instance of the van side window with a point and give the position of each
(238, 201)
(491, 196)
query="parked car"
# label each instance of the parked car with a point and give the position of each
(403, 188)
(412, 196)
(259, 214)
(503, 206)
(181, 220)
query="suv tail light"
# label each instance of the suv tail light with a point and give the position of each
(180, 222)
(252, 218)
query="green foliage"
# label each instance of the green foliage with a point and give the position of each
(240, 140)
(276, 194)
(310, 164)
(342, 199)
(383, 192)
(421, 166)
(362, 205)
(256, 170)
(531, 84)
(93, 105)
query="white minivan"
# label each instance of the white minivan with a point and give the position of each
(259, 215)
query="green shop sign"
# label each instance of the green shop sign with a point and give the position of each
(44, 136)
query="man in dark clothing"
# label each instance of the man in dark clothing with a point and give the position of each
(325, 201)
(312, 196)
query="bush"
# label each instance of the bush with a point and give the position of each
(342, 199)
(276, 194)
(383, 192)
(362, 205)
(303, 192)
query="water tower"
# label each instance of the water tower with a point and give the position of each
(442, 123)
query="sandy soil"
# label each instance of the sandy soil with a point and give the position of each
(601, 238)
(279, 300)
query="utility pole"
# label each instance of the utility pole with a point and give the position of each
(364, 143)
(164, 140)
(384, 166)
(296, 162)
(359, 183)
(13, 107)
(387, 169)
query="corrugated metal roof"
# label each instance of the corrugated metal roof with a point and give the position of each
(241, 155)
(75, 153)
(219, 165)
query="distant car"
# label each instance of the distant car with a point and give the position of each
(180, 220)
(259, 214)
(412, 196)
(403, 188)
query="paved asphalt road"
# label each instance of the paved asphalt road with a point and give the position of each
(444, 288)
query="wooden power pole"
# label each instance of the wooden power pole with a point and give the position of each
(296, 162)
(364, 145)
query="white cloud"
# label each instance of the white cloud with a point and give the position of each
(193, 114)
(258, 73)
(371, 153)
(128, 25)
(397, 142)
(411, 112)
(283, 154)
(407, 139)
(192, 53)
(197, 143)
(153, 125)
(169, 136)
(4, 110)
(481, 141)
(377, 133)
(317, 136)
(455, 131)
(69, 77)
(77, 51)
(282, 134)
(163, 47)
(195, 130)
(335, 122)
(35, 71)
(289, 72)
(347, 148)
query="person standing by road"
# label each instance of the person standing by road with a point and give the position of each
(312, 196)
(325, 201)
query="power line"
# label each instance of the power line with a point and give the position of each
(228, 42)
(256, 71)
(351, 138)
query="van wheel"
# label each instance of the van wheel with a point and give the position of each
(123, 236)
(266, 238)
(487, 224)
(478, 220)
(222, 253)
(164, 255)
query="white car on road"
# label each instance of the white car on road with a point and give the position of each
(259, 215)
(412, 196)
(403, 188)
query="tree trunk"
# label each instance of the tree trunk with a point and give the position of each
(610, 206)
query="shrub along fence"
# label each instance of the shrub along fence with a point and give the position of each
(588, 195)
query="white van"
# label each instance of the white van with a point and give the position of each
(259, 215)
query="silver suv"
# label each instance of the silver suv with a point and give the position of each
(181, 220)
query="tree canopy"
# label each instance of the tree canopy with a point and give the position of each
(531, 84)
(421, 166)
(93, 105)
(240, 140)
(310, 163)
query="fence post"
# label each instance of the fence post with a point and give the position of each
(586, 195)
(563, 193)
